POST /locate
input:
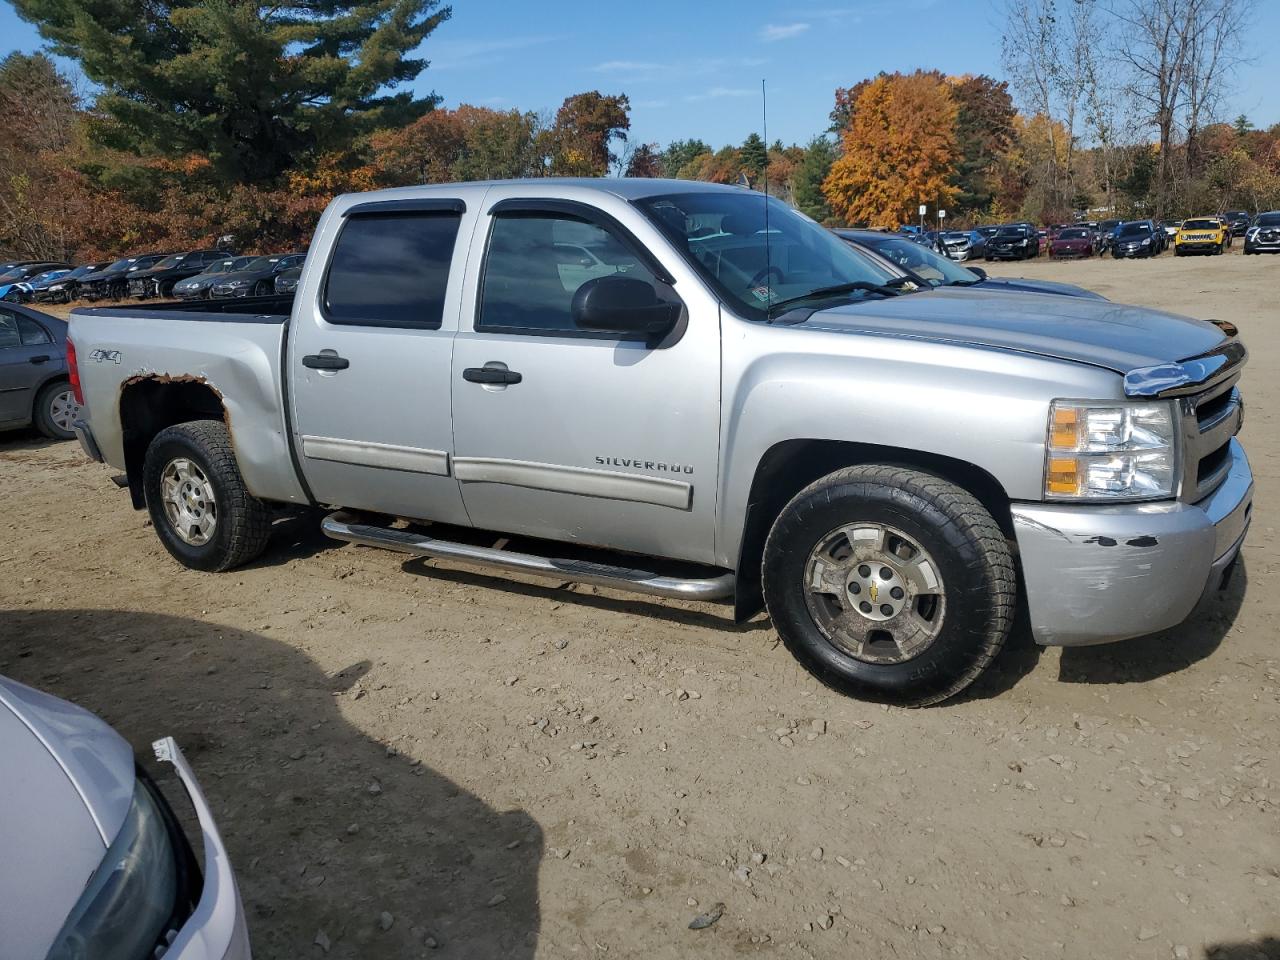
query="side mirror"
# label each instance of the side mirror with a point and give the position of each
(621, 304)
(978, 272)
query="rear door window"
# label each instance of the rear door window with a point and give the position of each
(31, 332)
(391, 269)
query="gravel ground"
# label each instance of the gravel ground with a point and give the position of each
(412, 759)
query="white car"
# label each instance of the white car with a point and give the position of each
(93, 863)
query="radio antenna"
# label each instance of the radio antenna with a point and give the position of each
(764, 129)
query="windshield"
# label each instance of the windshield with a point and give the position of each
(121, 264)
(1134, 229)
(49, 275)
(10, 276)
(1201, 225)
(722, 235)
(1073, 234)
(1007, 232)
(921, 261)
(168, 263)
(79, 272)
(262, 263)
(1268, 220)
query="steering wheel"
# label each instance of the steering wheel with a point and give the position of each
(772, 274)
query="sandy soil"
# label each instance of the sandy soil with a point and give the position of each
(413, 759)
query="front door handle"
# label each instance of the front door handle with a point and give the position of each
(43, 358)
(325, 360)
(490, 375)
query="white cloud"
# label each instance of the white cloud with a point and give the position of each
(458, 55)
(782, 31)
(717, 93)
(648, 104)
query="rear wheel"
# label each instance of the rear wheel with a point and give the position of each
(890, 583)
(261, 289)
(203, 513)
(56, 411)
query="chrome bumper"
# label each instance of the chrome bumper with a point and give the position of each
(1098, 574)
(216, 929)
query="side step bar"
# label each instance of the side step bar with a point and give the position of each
(344, 526)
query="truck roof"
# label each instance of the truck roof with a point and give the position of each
(627, 188)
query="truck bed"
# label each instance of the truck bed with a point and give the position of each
(273, 309)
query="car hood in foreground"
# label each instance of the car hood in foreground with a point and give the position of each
(68, 786)
(1110, 335)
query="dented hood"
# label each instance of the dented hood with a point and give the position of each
(1097, 332)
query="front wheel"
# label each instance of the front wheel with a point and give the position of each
(890, 583)
(201, 509)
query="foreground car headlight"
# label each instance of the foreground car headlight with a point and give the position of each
(134, 898)
(1111, 451)
(1251, 232)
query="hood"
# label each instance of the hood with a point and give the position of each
(1024, 285)
(243, 275)
(1097, 332)
(68, 786)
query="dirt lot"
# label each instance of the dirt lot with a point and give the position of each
(413, 759)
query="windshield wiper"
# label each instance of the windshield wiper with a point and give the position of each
(835, 290)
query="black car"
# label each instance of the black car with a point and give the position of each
(67, 287)
(287, 280)
(1237, 221)
(1014, 242)
(197, 287)
(257, 279)
(1263, 235)
(112, 282)
(159, 280)
(1135, 238)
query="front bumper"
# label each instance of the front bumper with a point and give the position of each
(1098, 574)
(1123, 253)
(216, 929)
(1198, 246)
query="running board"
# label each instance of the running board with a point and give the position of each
(343, 526)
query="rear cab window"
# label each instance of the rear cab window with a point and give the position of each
(390, 267)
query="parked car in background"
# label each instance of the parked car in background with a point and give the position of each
(1014, 242)
(112, 282)
(67, 287)
(1071, 242)
(95, 862)
(17, 274)
(1263, 235)
(257, 279)
(1201, 235)
(35, 389)
(1106, 234)
(958, 244)
(24, 290)
(197, 287)
(928, 269)
(1170, 228)
(1135, 238)
(159, 280)
(286, 281)
(1238, 221)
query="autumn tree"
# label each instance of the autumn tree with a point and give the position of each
(581, 137)
(680, 153)
(898, 151)
(469, 143)
(255, 88)
(984, 133)
(645, 161)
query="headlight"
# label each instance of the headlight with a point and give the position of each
(129, 902)
(236, 283)
(1251, 232)
(1111, 451)
(1146, 242)
(58, 286)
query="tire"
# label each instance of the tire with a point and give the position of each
(969, 610)
(54, 411)
(260, 289)
(225, 533)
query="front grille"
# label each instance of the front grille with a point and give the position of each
(1210, 420)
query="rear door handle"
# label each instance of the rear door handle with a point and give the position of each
(325, 360)
(490, 375)
(43, 358)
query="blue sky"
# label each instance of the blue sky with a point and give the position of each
(693, 68)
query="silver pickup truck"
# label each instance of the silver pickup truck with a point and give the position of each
(732, 401)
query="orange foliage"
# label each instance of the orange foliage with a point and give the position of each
(898, 151)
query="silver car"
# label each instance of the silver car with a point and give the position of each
(93, 863)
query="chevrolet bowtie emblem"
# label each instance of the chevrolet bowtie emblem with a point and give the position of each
(875, 593)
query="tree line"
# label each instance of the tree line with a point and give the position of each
(209, 118)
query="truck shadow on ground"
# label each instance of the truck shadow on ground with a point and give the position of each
(327, 828)
(1145, 658)
(1268, 948)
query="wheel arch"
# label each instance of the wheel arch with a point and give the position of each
(151, 403)
(789, 466)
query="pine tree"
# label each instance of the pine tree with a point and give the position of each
(251, 88)
(813, 169)
(753, 156)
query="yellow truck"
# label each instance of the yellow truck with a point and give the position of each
(1201, 235)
